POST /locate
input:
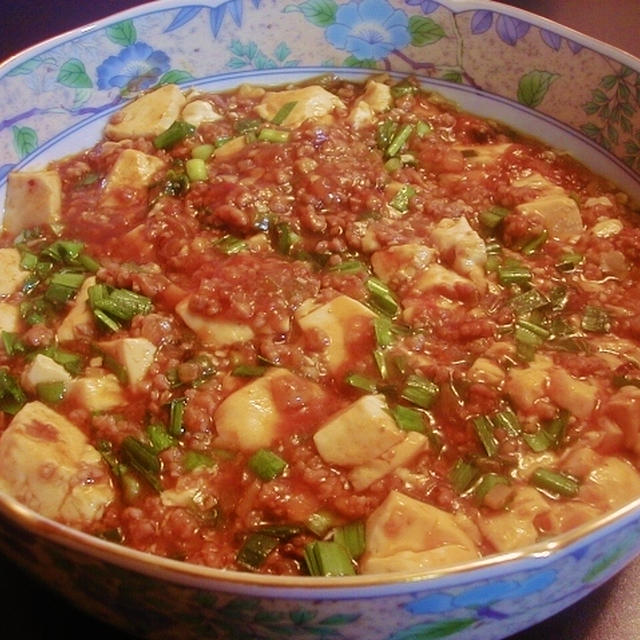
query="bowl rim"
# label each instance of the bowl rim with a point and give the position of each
(181, 572)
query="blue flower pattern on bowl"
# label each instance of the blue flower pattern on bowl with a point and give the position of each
(441, 41)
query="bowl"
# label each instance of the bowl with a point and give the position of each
(495, 61)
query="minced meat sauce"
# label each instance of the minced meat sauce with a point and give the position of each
(322, 329)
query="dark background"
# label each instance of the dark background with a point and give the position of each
(29, 611)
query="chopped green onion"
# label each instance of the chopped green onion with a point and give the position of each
(273, 135)
(194, 459)
(72, 362)
(408, 419)
(34, 311)
(65, 251)
(463, 475)
(383, 329)
(229, 244)
(177, 132)
(508, 421)
(393, 164)
(117, 304)
(202, 151)
(488, 482)
(514, 275)
(51, 392)
(403, 88)
(12, 343)
(595, 319)
(12, 397)
(382, 297)
(557, 427)
(247, 125)
(28, 261)
(527, 302)
(492, 217)
(249, 370)
(352, 537)
(319, 523)
(176, 183)
(283, 113)
(555, 482)
(285, 238)
(532, 327)
(196, 170)
(348, 266)
(484, 430)
(385, 133)
(325, 558)
(280, 531)
(88, 263)
(401, 199)
(538, 441)
(399, 140)
(63, 286)
(359, 381)
(558, 297)
(423, 129)
(534, 244)
(144, 460)
(420, 391)
(176, 416)
(381, 362)
(255, 549)
(159, 437)
(569, 261)
(266, 464)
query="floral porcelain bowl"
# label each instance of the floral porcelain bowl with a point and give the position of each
(570, 90)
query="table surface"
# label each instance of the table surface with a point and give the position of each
(610, 612)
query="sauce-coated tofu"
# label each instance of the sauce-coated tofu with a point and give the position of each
(79, 319)
(33, 198)
(47, 463)
(133, 170)
(12, 276)
(43, 369)
(134, 354)
(199, 111)
(9, 317)
(99, 391)
(148, 115)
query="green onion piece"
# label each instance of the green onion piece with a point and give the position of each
(196, 170)
(399, 140)
(324, 558)
(266, 464)
(106, 320)
(393, 164)
(569, 261)
(538, 441)
(249, 370)
(423, 129)
(492, 217)
(283, 113)
(176, 416)
(144, 460)
(65, 251)
(555, 482)
(319, 523)
(177, 132)
(177, 183)
(535, 243)
(408, 419)
(244, 126)
(202, 151)
(493, 263)
(532, 327)
(385, 133)
(484, 430)
(117, 304)
(595, 319)
(382, 297)
(527, 302)
(488, 482)
(381, 362)
(229, 244)
(558, 297)
(382, 327)
(359, 381)
(88, 263)
(348, 266)
(51, 392)
(273, 135)
(159, 437)
(403, 88)
(556, 429)
(255, 549)
(12, 343)
(28, 261)
(72, 362)
(194, 459)
(508, 421)
(12, 397)
(63, 286)
(401, 200)
(463, 475)
(34, 311)
(514, 275)
(285, 238)
(420, 391)
(30, 284)
(352, 537)
(280, 531)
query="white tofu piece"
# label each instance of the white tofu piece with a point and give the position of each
(132, 170)
(98, 391)
(470, 252)
(134, 354)
(486, 371)
(359, 433)
(406, 534)
(230, 148)
(401, 262)
(579, 397)
(607, 227)
(396, 456)
(560, 213)
(528, 385)
(12, 275)
(33, 198)
(9, 317)
(334, 319)
(199, 111)
(310, 102)
(444, 280)
(613, 483)
(44, 369)
(248, 419)
(47, 463)
(376, 98)
(79, 319)
(148, 115)
(213, 332)
(482, 155)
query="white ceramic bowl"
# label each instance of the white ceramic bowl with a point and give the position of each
(567, 89)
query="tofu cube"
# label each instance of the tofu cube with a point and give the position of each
(358, 434)
(47, 463)
(79, 319)
(132, 170)
(98, 391)
(199, 111)
(134, 354)
(148, 115)
(33, 198)
(12, 276)
(44, 369)
(9, 317)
